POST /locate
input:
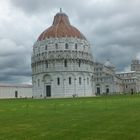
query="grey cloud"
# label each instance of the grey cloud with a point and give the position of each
(111, 26)
(44, 6)
(119, 55)
(14, 62)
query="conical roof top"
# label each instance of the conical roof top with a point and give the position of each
(109, 64)
(61, 27)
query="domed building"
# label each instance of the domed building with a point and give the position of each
(62, 62)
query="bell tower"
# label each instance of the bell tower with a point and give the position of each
(135, 65)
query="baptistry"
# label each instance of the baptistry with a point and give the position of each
(62, 62)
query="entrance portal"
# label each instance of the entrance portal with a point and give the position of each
(16, 94)
(107, 90)
(98, 90)
(132, 91)
(48, 91)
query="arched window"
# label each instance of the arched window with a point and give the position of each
(65, 63)
(56, 45)
(69, 80)
(46, 47)
(58, 81)
(38, 81)
(84, 47)
(79, 63)
(87, 80)
(79, 80)
(46, 63)
(76, 46)
(66, 46)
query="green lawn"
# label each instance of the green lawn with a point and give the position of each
(96, 118)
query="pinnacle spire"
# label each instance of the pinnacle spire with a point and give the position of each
(60, 10)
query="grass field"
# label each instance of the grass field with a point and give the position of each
(96, 118)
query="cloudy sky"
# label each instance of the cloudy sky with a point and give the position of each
(111, 26)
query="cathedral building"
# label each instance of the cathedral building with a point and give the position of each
(131, 79)
(62, 62)
(106, 81)
(63, 66)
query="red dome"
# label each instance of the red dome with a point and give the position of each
(61, 27)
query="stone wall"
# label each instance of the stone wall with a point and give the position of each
(67, 59)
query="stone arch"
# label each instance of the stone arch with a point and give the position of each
(47, 78)
(98, 89)
(70, 75)
(56, 76)
(107, 89)
(80, 76)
